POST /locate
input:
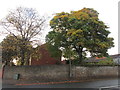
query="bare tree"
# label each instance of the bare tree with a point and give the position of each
(26, 23)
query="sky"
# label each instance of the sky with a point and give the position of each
(107, 9)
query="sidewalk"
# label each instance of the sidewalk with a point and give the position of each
(20, 81)
(23, 81)
(35, 82)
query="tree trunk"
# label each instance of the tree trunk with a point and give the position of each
(27, 59)
(80, 57)
(27, 62)
(25, 56)
(79, 51)
(22, 56)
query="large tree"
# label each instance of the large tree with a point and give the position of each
(79, 32)
(26, 23)
(11, 49)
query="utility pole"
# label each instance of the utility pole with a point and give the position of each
(70, 68)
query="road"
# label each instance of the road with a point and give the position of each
(112, 83)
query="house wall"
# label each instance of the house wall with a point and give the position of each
(60, 72)
(116, 60)
(45, 57)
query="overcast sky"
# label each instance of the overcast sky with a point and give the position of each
(107, 9)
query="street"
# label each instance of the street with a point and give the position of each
(111, 83)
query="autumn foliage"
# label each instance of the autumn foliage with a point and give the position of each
(79, 32)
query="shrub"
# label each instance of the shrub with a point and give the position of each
(106, 62)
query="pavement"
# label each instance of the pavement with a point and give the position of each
(33, 82)
(98, 83)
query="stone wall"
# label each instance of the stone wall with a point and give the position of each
(59, 72)
(37, 72)
(95, 72)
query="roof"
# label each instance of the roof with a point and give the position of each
(115, 56)
(96, 59)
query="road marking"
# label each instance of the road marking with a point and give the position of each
(115, 86)
(58, 82)
(50, 83)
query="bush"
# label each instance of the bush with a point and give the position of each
(106, 62)
(102, 62)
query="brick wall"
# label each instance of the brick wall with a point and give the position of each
(45, 57)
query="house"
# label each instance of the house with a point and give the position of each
(115, 58)
(43, 57)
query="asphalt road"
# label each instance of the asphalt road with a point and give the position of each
(112, 83)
